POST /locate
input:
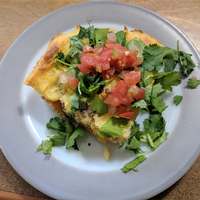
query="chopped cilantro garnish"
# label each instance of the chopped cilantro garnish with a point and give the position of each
(193, 83)
(154, 134)
(140, 104)
(159, 104)
(76, 49)
(177, 99)
(58, 138)
(101, 35)
(186, 62)
(64, 132)
(139, 44)
(168, 79)
(134, 140)
(145, 78)
(121, 38)
(134, 163)
(79, 131)
(99, 106)
(113, 127)
(56, 123)
(76, 103)
(88, 84)
(155, 56)
(46, 146)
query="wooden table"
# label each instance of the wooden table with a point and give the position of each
(17, 15)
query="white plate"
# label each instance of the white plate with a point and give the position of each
(86, 175)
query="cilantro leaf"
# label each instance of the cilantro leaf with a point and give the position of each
(193, 83)
(154, 123)
(56, 123)
(76, 49)
(152, 100)
(156, 89)
(99, 106)
(120, 121)
(101, 35)
(46, 146)
(168, 79)
(69, 127)
(154, 57)
(112, 128)
(74, 100)
(58, 138)
(134, 163)
(74, 71)
(159, 104)
(170, 65)
(134, 140)
(79, 131)
(62, 58)
(160, 140)
(88, 33)
(186, 62)
(140, 104)
(145, 77)
(121, 38)
(76, 103)
(139, 44)
(177, 99)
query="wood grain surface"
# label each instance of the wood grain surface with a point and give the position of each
(17, 15)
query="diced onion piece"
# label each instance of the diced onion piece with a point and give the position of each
(85, 41)
(135, 51)
(121, 75)
(64, 79)
(112, 109)
(98, 50)
(115, 53)
(133, 89)
(68, 79)
(111, 36)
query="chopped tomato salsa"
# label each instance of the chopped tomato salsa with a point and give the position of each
(114, 58)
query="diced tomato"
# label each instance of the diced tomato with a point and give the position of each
(121, 109)
(120, 88)
(109, 73)
(114, 99)
(129, 97)
(131, 58)
(87, 48)
(137, 93)
(127, 114)
(110, 42)
(84, 69)
(98, 50)
(72, 81)
(125, 101)
(105, 56)
(131, 78)
(104, 66)
(137, 62)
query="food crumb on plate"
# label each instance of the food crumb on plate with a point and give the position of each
(106, 153)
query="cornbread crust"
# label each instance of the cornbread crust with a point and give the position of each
(44, 78)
